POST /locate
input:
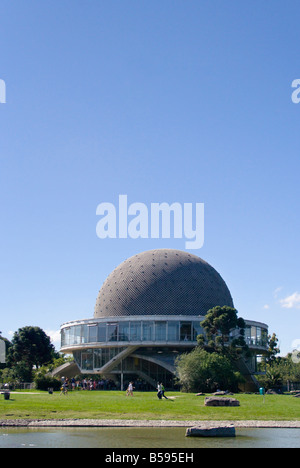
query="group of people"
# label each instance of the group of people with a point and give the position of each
(102, 384)
(160, 390)
(86, 384)
(90, 384)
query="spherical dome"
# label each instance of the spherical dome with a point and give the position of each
(162, 282)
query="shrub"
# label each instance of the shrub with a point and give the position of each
(205, 372)
(43, 382)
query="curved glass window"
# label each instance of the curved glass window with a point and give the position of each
(112, 331)
(185, 331)
(90, 359)
(85, 334)
(148, 330)
(98, 358)
(173, 331)
(93, 333)
(196, 330)
(124, 331)
(102, 332)
(160, 331)
(256, 336)
(87, 360)
(135, 331)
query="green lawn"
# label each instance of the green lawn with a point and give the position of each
(115, 405)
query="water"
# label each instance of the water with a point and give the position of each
(141, 437)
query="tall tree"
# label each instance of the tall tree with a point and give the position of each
(30, 347)
(224, 331)
(273, 349)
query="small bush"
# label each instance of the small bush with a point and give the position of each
(200, 371)
(44, 382)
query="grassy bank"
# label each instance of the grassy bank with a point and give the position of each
(115, 405)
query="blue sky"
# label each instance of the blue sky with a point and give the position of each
(165, 101)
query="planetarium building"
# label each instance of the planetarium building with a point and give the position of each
(148, 311)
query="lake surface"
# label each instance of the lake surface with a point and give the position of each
(141, 437)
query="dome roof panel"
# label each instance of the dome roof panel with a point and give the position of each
(162, 282)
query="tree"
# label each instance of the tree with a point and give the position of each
(279, 371)
(202, 371)
(272, 350)
(218, 324)
(30, 347)
(273, 379)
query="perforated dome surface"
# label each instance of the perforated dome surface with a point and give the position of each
(162, 282)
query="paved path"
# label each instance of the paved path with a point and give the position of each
(142, 423)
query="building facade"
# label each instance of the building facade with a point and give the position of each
(149, 311)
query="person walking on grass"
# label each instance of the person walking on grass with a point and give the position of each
(163, 391)
(159, 390)
(64, 388)
(130, 389)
